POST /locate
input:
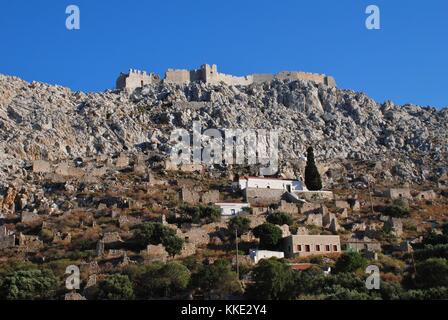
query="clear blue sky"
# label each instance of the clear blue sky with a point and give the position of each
(405, 61)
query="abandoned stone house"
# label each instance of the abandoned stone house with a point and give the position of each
(194, 197)
(359, 245)
(209, 74)
(394, 226)
(29, 243)
(7, 238)
(308, 245)
(426, 195)
(398, 193)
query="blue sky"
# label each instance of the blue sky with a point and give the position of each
(405, 61)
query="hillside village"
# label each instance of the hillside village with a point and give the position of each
(122, 212)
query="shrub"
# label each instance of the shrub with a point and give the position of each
(116, 287)
(156, 233)
(28, 284)
(240, 224)
(273, 280)
(350, 262)
(269, 234)
(280, 218)
(201, 214)
(216, 279)
(432, 273)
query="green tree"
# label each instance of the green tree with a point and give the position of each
(432, 273)
(280, 218)
(162, 280)
(350, 262)
(156, 233)
(116, 287)
(240, 224)
(173, 244)
(273, 280)
(269, 234)
(31, 284)
(216, 280)
(312, 177)
(201, 214)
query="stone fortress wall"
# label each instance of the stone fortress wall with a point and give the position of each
(210, 74)
(135, 79)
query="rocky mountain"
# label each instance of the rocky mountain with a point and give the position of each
(40, 121)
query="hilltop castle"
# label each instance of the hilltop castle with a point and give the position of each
(210, 74)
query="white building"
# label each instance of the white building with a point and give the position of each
(256, 255)
(271, 183)
(232, 208)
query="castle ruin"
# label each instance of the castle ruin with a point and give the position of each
(209, 74)
(136, 79)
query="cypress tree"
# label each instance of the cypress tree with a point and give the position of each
(312, 177)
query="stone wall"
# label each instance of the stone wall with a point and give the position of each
(135, 79)
(210, 74)
(263, 197)
(399, 193)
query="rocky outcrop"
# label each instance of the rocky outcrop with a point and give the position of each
(52, 123)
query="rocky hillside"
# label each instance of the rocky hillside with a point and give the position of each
(39, 121)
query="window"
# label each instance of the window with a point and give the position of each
(327, 248)
(317, 247)
(307, 248)
(335, 247)
(233, 212)
(299, 248)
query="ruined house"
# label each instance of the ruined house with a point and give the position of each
(426, 195)
(7, 238)
(29, 243)
(394, 225)
(398, 193)
(359, 245)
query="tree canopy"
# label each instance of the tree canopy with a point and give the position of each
(269, 234)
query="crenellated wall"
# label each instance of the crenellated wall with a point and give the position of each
(135, 79)
(210, 74)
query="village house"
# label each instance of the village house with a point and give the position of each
(260, 191)
(256, 255)
(308, 245)
(271, 183)
(359, 245)
(232, 208)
